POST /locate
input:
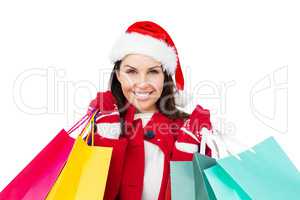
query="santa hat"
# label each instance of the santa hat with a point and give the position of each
(148, 38)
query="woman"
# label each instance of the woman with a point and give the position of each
(138, 116)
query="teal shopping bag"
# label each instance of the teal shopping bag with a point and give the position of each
(223, 186)
(267, 173)
(203, 189)
(187, 180)
(182, 180)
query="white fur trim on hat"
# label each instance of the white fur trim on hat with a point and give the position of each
(131, 43)
(182, 98)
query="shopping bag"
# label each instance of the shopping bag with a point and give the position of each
(187, 178)
(37, 178)
(182, 180)
(223, 186)
(262, 173)
(203, 190)
(188, 181)
(85, 173)
(219, 187)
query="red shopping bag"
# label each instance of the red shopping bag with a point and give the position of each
(37, 178)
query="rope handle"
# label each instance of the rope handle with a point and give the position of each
(80, 122)
(210, 140)
(91, 133)
(88, 124)
(205, 141)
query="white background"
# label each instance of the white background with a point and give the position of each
(240, 60)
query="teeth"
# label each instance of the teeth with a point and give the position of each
(142, 95)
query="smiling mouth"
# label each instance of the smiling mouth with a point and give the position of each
(142, 95)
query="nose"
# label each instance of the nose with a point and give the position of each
(142, 85)
(142, 81)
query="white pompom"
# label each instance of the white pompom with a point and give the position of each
(182, 98)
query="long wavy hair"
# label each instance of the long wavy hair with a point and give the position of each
(165, 104)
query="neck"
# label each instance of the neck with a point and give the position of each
(146, 111)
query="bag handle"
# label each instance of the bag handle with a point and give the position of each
(91, 133)
(209, 139)
(88, 124)
(80, 122)
(205, 140)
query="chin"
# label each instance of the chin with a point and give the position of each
(144, 105)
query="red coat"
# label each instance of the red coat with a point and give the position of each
(126, 173)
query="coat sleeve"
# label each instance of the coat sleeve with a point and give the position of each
(186, 142)
(184, 149)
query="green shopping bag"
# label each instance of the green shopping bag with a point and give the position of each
(187, 177)
(266, 173)
(182, 180)
(203, 190)
(223, 186)
(188, 181)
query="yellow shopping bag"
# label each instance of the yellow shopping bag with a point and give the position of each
(85, 173)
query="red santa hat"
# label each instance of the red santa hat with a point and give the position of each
(148, 38)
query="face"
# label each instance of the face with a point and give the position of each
(141, 79)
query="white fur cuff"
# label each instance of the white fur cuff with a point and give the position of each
(109, 130)
(186, 147)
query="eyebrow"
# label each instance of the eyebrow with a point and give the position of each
(149, 68)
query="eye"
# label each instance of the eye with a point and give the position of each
(130, 71)
(154, 72)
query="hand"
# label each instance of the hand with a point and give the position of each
(190, 135)
(105, 103)
(197, 122)
(107, 119)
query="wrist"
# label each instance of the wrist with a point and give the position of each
(109, 130)
(113, 117)
(108, 125)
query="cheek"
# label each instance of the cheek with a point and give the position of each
(158, 84)
(126, 86)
